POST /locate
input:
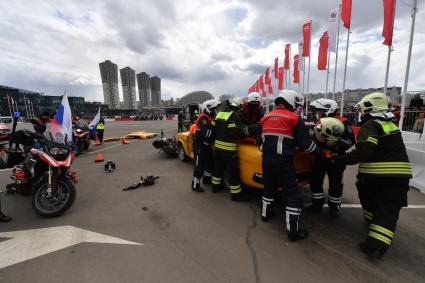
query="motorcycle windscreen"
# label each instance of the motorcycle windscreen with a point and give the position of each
(56, 133)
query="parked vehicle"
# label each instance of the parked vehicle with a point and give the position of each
(41, 169)
(250, 160)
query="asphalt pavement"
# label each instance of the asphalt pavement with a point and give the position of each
(176, 235)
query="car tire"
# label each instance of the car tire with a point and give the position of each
(182, 154)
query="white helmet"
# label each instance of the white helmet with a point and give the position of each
(209, 105)
(236, 102)
(254, 97)
(329, 106)
(291, 97)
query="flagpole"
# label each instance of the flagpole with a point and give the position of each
(32, 107)
(345, 72)
(289, 69)
(409, 56)
(25, 105)
(327, 73)
(308, 72)
(303, 74)
(8, 103)
(390, 47)
(336, 53)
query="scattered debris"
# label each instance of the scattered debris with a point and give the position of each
(109, 167)
(148, 181)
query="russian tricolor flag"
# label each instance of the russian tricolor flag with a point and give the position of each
(64, 117)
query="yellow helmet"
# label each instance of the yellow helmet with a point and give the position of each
(375, 102)
(330, 128)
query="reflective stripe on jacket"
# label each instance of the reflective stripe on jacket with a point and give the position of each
(281, 130)
(380, 150)
(227, 129)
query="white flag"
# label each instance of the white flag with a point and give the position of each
(95, 120)
(408, 3)
(301, 58)
(332, 29)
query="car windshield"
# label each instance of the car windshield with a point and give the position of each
(56, 133)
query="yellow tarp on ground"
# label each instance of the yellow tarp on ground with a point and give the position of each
(134, 135)
(140, 135)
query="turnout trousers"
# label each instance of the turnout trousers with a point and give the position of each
(335, 173)
(279, 171)
(100, 135)
(227, 162)
(204, 162)
(382, 199)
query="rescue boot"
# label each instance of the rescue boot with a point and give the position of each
(316, 205)
(4, 218)
(241, 197)
(197, 187)
(217, 188)
(206, 180)
(334, 210)
(370, 252)
(267, 211)
(301, 234)
(314, 208)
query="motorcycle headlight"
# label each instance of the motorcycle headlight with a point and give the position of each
(58, 151)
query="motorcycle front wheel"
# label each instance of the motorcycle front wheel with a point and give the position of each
(57, 203)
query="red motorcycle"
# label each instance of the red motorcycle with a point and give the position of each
(43, 171)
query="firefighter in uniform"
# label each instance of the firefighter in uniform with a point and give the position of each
(227, 129)
(281, 130)
(252, 112)
(100, 129)
(337, 145)
(202, 145)
(384, 172)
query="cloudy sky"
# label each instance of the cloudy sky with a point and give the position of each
(217, 45)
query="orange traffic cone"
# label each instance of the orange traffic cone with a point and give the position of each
(124, 140)
(96, 140)
(99, 157)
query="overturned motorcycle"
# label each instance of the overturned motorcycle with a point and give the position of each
(168, 145)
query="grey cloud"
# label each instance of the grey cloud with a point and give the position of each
(279, 19)
(254, 68)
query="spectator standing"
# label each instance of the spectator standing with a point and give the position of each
(418, 126)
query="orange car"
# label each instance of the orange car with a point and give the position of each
(251, 172)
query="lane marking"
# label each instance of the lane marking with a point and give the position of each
(360, 206)
(109, 147)
(28, 244)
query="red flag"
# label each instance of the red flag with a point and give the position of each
(270, 89)
(257, 86)
(296, 70)
(280, 84)
(261, 83)
(267, 76)
(263, 92)
(346, 13)
(276, 67)
(287, 52)
(387, 30)
(322, 62)
(307, 39)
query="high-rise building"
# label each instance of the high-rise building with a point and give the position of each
(109, 75)
(155, 90)
(144, 86)
(128, 80)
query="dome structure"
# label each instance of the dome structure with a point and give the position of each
(195, 97)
